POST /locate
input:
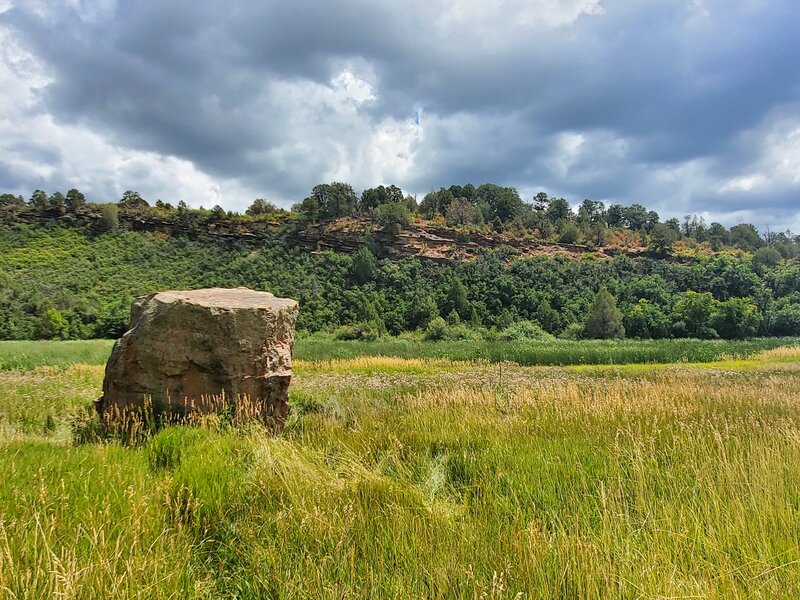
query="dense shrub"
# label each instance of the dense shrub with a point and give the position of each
(524, 330)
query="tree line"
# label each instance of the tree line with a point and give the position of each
(488, 207)
(63, 281)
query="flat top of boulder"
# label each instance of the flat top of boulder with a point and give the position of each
(226, 298)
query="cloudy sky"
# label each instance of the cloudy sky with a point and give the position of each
(686, 106)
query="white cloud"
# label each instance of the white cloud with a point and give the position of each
(567, 150)
(775, 149)
(356, 89)
(54, 156)
(744, 183)
(329, 133)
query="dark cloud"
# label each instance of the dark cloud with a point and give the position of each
(666, 103)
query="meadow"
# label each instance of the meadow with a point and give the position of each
(30, 354)
(416, 477)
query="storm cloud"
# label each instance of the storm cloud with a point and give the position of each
(686, 106)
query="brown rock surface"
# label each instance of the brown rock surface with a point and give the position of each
(185, 347)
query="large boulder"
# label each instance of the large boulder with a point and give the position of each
(204, 351)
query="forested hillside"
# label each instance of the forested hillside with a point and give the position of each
(69, 269)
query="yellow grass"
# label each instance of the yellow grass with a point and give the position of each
(375, 363)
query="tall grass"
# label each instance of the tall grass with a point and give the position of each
(421, 480)
(552, 352)
(28, 355)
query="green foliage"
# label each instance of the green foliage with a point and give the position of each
(10, 200)
(393, 217)
(436, 203)
(598, 233)
(604, 319)
(109, 220)
(436, 330)
(745, 236)
(421, 311)
(452, 329)
(366, 330)
(365, 267)
(573, 331)
(89, 279)
(261, 207)
(456, 298)
(766, 258)
(524, 330)
(558, 211)
(113, 318)
(132, 201)
(693, 313)
(334, 199)
(51, 324)
(568, 232)
(737, 318)
(503, 202)
(662, 238)
(785, 320)
(647, 320)
(375, 197)
(75, 200)
(462, 212)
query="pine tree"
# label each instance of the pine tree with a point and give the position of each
(604, 320)
(456, 298)
(365, 267)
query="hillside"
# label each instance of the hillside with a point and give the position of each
(72, 274)
(61, 279)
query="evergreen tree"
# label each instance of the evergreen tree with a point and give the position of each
(365, 267)
(420, 312)
(456, 299)
(662, 238)
(604, 320)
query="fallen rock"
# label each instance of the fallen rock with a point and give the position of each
(204, 351)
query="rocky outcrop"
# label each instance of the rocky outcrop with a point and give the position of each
(423, 239)
(203, 351)
(429, 242)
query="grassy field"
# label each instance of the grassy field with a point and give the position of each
(417, 478)
(27, 355)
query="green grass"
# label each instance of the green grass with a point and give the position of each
(27, 355)
(557, 352)
(640, 481)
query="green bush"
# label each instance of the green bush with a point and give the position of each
(360, 331)
(439, 329)
(436, 330)
(524, 330)
(573, 331)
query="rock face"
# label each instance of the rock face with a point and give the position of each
(203, 351)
